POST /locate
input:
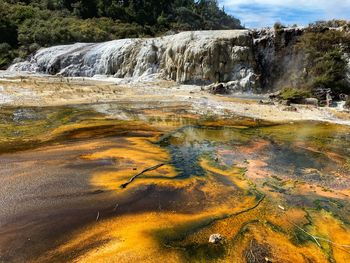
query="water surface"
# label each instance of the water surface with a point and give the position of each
(267, 188)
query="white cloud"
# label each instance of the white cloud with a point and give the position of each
(266, 12)
(310, 4)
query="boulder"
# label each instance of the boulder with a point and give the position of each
(310, 101)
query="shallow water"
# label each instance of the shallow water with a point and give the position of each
(267, 188)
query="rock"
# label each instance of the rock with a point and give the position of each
(274, 55)
(17, 60)
(243, 60)
(197, 56)
(285, 102)
(245, 82)
(215, 238)
(170, 32)
(343, 97)
(290, 108)
(310, 101)
(274, 95)
(218, 89)
(266, 102)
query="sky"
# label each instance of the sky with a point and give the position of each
(263, 13)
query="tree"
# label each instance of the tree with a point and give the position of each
(50, 22)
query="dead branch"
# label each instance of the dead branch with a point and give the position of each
(250, 208)
(144, 171)
(316, 238)
(304, 231)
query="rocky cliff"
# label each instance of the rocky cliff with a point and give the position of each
(246, 60)
(203, 56)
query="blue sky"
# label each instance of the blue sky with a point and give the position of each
(262, 13)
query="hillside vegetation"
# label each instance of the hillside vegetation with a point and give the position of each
(319, 61)
(325, 60)
(28, 25)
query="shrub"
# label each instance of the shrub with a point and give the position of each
(278, 26)
(324, 60)
(6, 54)
(33, 47)
(330, 23)
(294, 94)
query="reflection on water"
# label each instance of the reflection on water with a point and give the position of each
(268, 189)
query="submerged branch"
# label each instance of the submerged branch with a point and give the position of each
(250, 208)
(144, 171)
(239, 212)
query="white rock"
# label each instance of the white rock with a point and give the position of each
(209, 56)
(215, 238)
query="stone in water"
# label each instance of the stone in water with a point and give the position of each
(215, 238)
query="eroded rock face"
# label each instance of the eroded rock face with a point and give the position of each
(275, 56)
(203, 56)
(241, 60)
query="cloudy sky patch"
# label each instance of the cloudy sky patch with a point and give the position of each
(261, 13)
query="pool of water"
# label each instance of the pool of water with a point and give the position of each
(267, 188)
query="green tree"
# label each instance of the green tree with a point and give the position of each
(27, 24)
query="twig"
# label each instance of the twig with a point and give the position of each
(239, 212)
(144, 171)
(316, 238)
(250, 208)
(98, 216)
(330, 241)
(251, 252)
(307, 233)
